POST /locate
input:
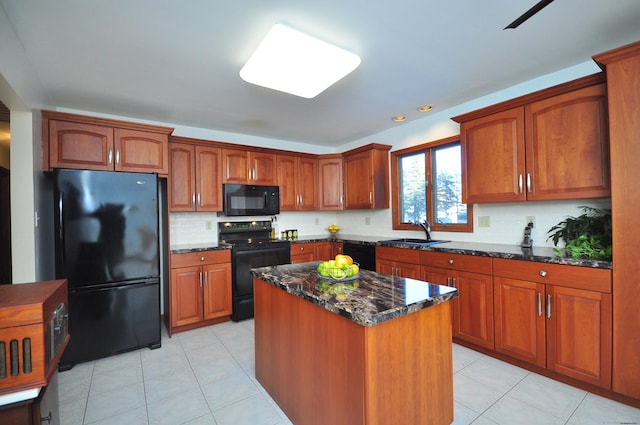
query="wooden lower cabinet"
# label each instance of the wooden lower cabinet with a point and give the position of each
(302, 252)
(336, 248)
(472, 312)
(398, 262)
(566, 329)
(200, 289)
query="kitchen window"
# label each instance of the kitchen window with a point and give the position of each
(427, 184)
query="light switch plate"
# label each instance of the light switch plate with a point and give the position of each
(484, 221)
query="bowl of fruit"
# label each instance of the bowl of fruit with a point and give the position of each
(341, 268)
(333, 229)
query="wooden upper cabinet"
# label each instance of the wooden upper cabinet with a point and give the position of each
(330, 187)
(88, 143)
(568, 150)
(298, 179)
(142, 152)
(181, 177)
(82, 146)
(552, 144)
(195, 182)
(366, 177)
(248, 167)
(493, 158)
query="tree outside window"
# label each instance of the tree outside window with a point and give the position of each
(427, 181)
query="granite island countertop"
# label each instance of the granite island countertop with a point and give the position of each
(371, 299)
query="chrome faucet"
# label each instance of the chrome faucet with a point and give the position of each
(427, 228)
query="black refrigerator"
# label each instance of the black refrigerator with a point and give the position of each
(107, 248)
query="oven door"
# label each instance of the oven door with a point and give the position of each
(244, 258)
(248, 257)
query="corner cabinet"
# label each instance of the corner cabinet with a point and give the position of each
(330, 187)
(248, 167)
(552, 144)
(199, 289)
(473, 309)
(366, 177)
(195, 177)
(298, 179)
(80, 142)
(555, 316)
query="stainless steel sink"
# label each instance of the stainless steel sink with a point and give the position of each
(421, 242)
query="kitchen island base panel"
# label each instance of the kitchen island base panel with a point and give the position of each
(322, 368)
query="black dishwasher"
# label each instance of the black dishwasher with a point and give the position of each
(362, 253)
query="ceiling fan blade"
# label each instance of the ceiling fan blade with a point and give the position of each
(529, 13)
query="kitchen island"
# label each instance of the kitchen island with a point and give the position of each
(374, 350)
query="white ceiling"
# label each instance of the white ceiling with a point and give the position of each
(177, 62)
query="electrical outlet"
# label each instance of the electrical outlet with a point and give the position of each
(531, 219)
(317, 221)
(209, 225)
(484, 221)
(367, 220)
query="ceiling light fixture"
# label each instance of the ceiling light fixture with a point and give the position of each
(399, 118)
(295, 63)
(425, 108)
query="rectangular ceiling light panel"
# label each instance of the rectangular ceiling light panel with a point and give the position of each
(295, 63)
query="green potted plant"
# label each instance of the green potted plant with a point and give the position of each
(587, 236)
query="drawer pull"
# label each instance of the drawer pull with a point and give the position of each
(543, 273)
(201, 258)
(450, 260)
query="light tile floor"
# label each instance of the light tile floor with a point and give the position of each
(207, 376)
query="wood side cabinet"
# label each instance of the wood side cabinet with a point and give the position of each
(366, 177)
(248, 167)
(80, 142)
(555, 316)
(302, 252)
(298, 179)
(552, 147)
(472, 313)
(200, 289)
(195, 177)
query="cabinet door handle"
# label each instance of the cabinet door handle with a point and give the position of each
(548, 306)
(341, 200)
(118, 156)
(529, 182)
(454, 282)
(110, 156)
(193, 199)
(199, 200)
(371, 198)
(520, 183)
(206, 278)
(301, 200)
(539, 304)
(200, 279)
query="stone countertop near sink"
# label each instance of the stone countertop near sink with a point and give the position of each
(197, 247)
(538, 254)
(371, 299)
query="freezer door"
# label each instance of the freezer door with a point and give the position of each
(112, 319)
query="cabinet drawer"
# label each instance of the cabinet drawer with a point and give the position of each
(302, 248)
(411, 256)
(199, 258)
(469, 263)
(557, 274)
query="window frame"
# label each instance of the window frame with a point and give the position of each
(427, 149)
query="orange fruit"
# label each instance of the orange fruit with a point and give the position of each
(346, 258)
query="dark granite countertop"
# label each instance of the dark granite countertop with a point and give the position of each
(198, 247)
(371, 299)
(514, 252)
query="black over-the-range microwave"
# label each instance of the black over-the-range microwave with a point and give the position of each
(246, 199)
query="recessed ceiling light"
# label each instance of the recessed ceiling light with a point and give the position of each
(295, 63)
(399, 118)
(425, 108)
